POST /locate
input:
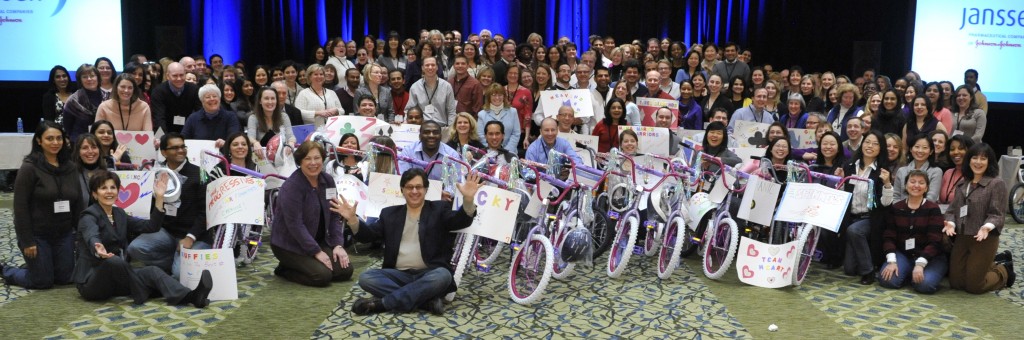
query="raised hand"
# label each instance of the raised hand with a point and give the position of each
(344, 209)
(472, 184)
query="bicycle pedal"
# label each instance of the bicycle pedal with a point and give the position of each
(483, 268)
(638, 250)
(650, 224)
(613, 215)
(515, 247)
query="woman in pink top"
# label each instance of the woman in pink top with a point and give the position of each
(124, 109)
(934, 93)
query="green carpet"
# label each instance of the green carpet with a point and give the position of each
(587, 305)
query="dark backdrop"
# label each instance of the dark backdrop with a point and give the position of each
(843, 36)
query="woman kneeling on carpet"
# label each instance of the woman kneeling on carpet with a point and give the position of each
(102, 271)
(913, 232)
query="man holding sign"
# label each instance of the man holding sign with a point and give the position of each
(417, 246)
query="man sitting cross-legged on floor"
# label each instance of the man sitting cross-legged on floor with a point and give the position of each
(417, 246)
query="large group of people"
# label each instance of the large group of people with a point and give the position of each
(935, 207)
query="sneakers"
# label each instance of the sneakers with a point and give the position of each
(368, 306)
(200, 295)
(1010, 274)
(433, 306)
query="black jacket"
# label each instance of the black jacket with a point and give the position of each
(94, 227)
(165, 105)
(36, 189)
(191, 215)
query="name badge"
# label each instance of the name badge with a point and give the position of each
(62, 206)
(170, 210)
(963, 211)
(909, 244)
(179, 120)
(956, 133)
(332, 193)
(430, 110)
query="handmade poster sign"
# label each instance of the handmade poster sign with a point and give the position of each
(384, 191)
(759, 201)
(195, 152)
(496, 212)
(750, 134)
(814, 204)
(650, 106)
(220, 263)
(719, 191)
(588, 140)
(533, 207)
(694, 135)
(363, 127)
(405, 135)
(652, 139)
(803, 139)
(136, 193)
(234, 199)
(353, 190)
(580, 100)
(140, 145)
(745, 154)
(766, 265)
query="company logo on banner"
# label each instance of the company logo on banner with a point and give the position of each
(766, 265)
(814, 204)
(220, 263)
(140, 145)
(496, 212)
(235, 199)
(650, 106)
(384, 191)
(580, 100)
(136, 193)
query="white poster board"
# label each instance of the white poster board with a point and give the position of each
(759, 200)
(814, 204)
(745, 155)
(384, 191)
(195, 152)
(580, 100)
(588, 140)
(364, 128)
(533, 207)
(652, 139)
(235, 199)
(353, 190)
(803, 139)
(220, 263)
(750, 134)
(496, 212)
(405, 135)
(766, 265)
(136, 193)
(719, 191)
(140, 146)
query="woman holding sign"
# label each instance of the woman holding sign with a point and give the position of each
(103, 272)
(977, 214)
(862, 224)
(47, 201)
(913, 232)
(112, 151)
(307, 238)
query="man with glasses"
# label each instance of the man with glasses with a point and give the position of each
(428, 149)
(185, 220)
(417, 246)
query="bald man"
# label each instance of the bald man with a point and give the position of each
(174, 100)
(538, 150)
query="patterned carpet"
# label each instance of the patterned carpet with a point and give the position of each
(587, 305)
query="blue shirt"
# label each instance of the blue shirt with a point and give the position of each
(201, 125)
(538, 150)
(415, 151)
(509, 118)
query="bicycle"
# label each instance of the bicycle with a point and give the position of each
(672, 231)
(1017, 196)
(721, 237)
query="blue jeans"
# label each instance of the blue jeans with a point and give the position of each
(933, 274)
(403, 291)
(154, 249)
(53, 264)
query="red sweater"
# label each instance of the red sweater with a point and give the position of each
(607, 137)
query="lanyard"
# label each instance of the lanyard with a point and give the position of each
(324, 98)
(124, 123)
(430, 97)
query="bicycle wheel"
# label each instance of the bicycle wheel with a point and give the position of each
(487, 250)
(531, 270)
(672, 246)
(1017, 203)
(464, 247)
(807, 242)
(560, 269)
(653, 238)
(622, 248)
(722, 240)
(602, 230)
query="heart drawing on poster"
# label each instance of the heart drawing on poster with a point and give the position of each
(773, 250)
(124, 137)
(752, 251)
(747, 273)
(128, 195)
(141, 138)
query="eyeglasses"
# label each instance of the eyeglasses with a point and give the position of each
(177, 148)
(415, 187)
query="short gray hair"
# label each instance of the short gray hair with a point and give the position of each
(208, 88)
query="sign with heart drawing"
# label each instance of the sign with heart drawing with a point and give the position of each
(766, 265)
(136, 193)
(140, 145)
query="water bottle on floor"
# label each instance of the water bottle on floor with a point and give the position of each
(21, 126)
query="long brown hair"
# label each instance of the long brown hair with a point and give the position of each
(261, 122)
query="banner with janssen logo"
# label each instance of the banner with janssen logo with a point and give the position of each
(951, 36)
(40, 34)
